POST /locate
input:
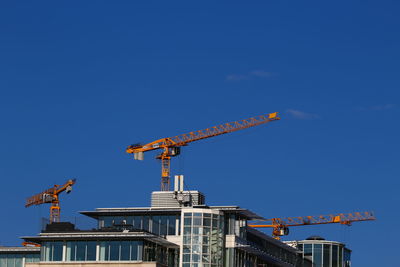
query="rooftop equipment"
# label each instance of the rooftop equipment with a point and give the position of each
(171, 145)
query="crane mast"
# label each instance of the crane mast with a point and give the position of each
(171, 146)
(281, 225)
(51, 196)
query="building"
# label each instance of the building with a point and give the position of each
(178, 229)
(323, 253)
(18, 256)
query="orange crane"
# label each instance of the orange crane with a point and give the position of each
(51, 196)
(171, 145)
(281, 225)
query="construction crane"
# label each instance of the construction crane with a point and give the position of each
(51, 196)
(281, 226)
(171, 145)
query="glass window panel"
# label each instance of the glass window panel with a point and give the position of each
(195, 257)
(196, 230)
(327, 254)
(137, 222)
(206, 231)
(114, 250)
(70, 251)
(91, 250)
(334, 256)
(317, 255)
(186, 249)
(125, 250)
(186, 257)
(207, 215)
(171, 225)
(57, 251)
(18, 260)
(156, 225)
(196, 240)
(206, 221)
(10, 260)
(108, 221)
(134, 250)
(104, 251)
(146, 221)
(340, 256)
(186, 239)
(3, 260)
(187, 230)
(307, 249)
(196, 249)
(197, 214)
(80, 250)
(163, 225)
(187, 221)
(187, 214)
(197, 221)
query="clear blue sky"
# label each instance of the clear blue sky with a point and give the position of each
(81, 80)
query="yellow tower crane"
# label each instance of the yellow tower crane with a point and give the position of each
(171, 145)
(51, 196)
(280, 226)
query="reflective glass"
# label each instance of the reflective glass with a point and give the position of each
(91, 250)
(113, 247)
(335, 256)
(163, 225)
(57, 251)
(327, 255)
(137, 222)
(317, 255)
(307, 249)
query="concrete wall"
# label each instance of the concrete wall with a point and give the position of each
(93, 264)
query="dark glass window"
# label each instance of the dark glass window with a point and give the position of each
(125, 250)
(171, 225)
(114, 250)
(334, 256)
(137, 222)
(327, 255)
(307, 249)
(146, 222)
(317, 255)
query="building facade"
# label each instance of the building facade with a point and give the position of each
(323, 253)
(184, 233)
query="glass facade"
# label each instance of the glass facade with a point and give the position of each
(121, 251)
(81, 250)
(52, 251)
(326, 254)
(17, 259)
(203, 239)
(110, 250)
(156, 224)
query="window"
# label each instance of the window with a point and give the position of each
(307, 249)
(52, 251)
(81, 251)
(327, 255)
(317, 255)
(121, 250)
(334, 256)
